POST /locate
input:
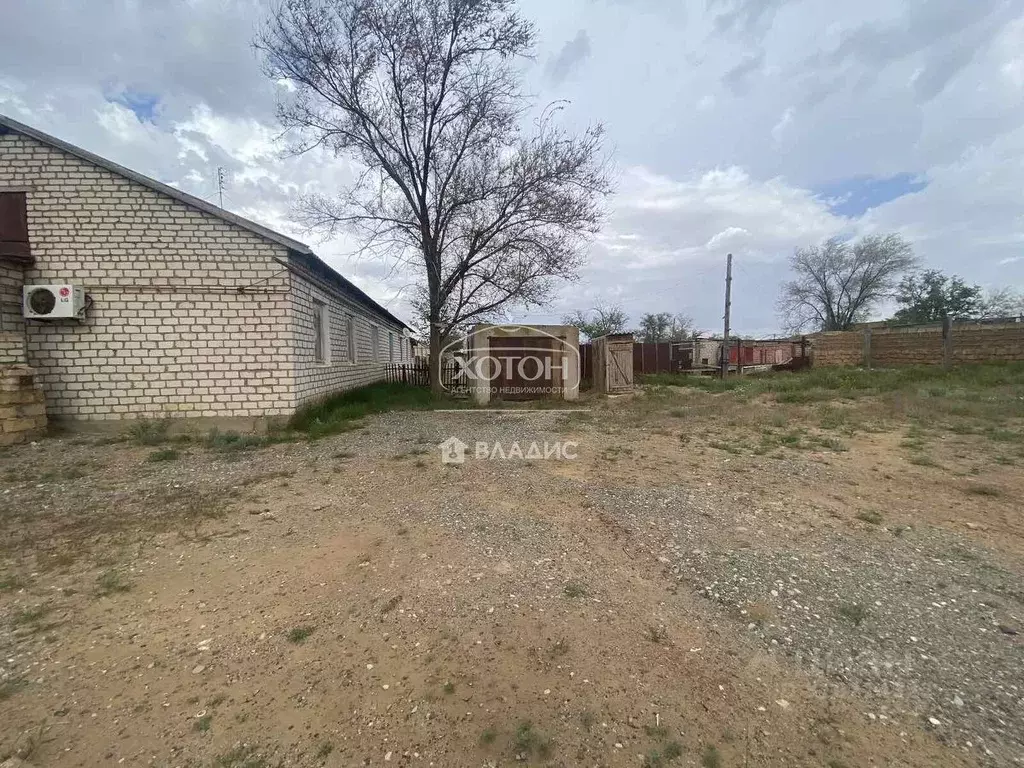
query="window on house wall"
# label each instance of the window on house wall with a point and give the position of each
(350, 333)
(321, 332)
(391, 347)
(14, 225)
(375, 343)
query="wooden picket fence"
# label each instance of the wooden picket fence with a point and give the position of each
(416, 373)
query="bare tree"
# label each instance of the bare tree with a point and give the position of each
(838, 283)
(1002, 302)
(426, 97)
(681, 328)
(601, 321)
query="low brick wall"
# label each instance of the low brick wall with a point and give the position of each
(920, 345)
(22, 405)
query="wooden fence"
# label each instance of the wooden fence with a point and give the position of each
(417, 374)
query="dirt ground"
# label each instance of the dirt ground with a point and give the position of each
(703, 585)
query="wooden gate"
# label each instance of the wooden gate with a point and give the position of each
(613, 363)
(620, 367)
(525, 367)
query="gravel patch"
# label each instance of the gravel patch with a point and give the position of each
(928, 626)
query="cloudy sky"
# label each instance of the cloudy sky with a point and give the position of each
(743, 126)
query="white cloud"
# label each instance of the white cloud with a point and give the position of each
(725, 114)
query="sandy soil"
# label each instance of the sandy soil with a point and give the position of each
(352, 601)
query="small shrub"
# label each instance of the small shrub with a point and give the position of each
(11, 686)
(574, 589)
(299, 635)
(202, 724)
(30, 615)
(324, 750)
(227, 442)
(528, 740)
(111, 583)
(672, 750)
(870, 516)
(165, 454)
(448, 687)
(657, 634)
(149, 432)
(656, 731)
(242, 756)
(390, 605)
(559, 648)
(853, 612)
(711, 758)
(488, 736)
(11, 583)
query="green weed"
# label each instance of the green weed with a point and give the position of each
(299, 635)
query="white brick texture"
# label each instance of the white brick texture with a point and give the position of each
(191, 315)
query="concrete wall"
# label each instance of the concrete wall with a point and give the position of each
(169, 332)
(837, 348)
(921, 345)
(567, 336)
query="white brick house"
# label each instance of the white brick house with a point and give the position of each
(191, 310)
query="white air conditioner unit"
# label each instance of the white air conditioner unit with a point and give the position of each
(53, 302)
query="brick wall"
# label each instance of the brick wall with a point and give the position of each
(12, 349)
(922, 345)
(168, 333)
(12, 277)
(314, 380)
(22, 405)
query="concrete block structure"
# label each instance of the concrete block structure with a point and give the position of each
(926, 344)
(522, 362)
(191, 311)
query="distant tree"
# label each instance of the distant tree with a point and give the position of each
(600, 321)
(931, 296)
(1002, 302)
(426, 97)
(664, 326)
(654, 327)
(680, 328)
(838, 283)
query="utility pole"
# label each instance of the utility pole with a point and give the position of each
(728, 310)
(220, 184)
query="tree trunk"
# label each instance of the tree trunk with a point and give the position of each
(435, 357)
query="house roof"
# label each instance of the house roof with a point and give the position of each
(302, 253)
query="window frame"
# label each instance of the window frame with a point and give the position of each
(352, 349)
(321, 333)
(14, 231)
